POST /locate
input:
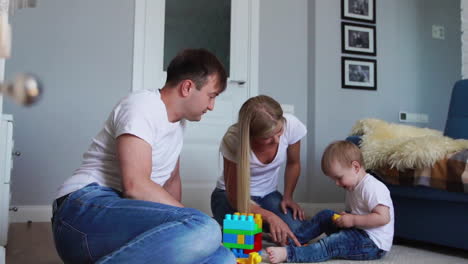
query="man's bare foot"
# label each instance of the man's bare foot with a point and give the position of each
(277, 254)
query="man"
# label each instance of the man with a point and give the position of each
(123, 205)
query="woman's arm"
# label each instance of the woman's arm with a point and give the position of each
(291, 176)
(135, 159)
(230, 181)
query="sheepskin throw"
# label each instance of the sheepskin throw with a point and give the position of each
(402, 146)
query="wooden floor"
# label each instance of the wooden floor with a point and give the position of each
(31, 243)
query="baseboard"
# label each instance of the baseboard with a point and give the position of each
(34, 213)
(2, 255)
(313, 208)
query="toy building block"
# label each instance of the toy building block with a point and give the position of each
(254, 258)
(239, 230)
(257, 244)
(239, 222)
(239, 253)
(335, 216)
(242, 234)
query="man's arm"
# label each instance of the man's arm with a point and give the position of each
(135, 159)
(174, 185)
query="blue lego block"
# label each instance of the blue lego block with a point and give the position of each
(241, 222)
(249, 240)
(229, 238)
(239, 253)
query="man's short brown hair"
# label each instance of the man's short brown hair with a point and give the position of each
(196, 65)
(343, 152)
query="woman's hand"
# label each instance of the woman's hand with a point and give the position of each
(295, 208)
(280, 231)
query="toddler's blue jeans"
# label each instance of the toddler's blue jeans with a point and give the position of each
(96, 225)
(352, 243)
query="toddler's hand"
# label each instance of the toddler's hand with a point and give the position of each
(345, 221)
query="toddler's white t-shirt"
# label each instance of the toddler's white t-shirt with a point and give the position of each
(369, 193)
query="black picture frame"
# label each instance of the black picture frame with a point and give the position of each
(358, 10)
(358, 39)
(358, 73)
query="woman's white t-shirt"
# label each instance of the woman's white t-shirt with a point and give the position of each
(142, 114)
(264, 177)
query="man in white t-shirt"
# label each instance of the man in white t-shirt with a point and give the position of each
(364, 233)
(123, 204)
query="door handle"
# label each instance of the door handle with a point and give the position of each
(239, 82)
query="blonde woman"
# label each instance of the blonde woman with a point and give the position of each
(253, 151)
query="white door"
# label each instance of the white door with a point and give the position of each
(230, 30)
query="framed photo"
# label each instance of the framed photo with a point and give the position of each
(358, 39)
(360, 10)
(357, 73)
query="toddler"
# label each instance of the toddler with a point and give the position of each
(365, 233)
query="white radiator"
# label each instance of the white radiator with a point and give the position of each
(6, 163)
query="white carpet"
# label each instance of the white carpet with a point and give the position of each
(402, 254)
(405, 252)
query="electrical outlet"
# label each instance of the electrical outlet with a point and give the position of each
(438, 32)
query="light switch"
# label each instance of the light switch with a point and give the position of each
(287, 108)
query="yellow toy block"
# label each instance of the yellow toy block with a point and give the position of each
(335, 216)
(258, 220)
(254, 258)
(240, 239)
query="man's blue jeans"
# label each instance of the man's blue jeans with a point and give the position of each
(352, 243)
(272, 202)
(96, 225)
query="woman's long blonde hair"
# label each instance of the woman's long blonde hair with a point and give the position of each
(258, 117)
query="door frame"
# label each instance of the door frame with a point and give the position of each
(144, 46)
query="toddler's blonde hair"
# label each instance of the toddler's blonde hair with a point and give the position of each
(343, 152)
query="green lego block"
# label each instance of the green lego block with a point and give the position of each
(241, 246)
(242, 232)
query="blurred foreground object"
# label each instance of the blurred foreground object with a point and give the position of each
(25, 89)
(5, 30)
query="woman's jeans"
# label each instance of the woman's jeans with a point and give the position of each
(352, 243)
(272, 202)
(96, 225)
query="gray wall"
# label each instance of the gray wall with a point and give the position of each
(415, 73)
(283, 64)
(82, 51)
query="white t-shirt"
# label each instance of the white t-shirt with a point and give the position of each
(369, 193)
(264, 177)
(142, 114)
